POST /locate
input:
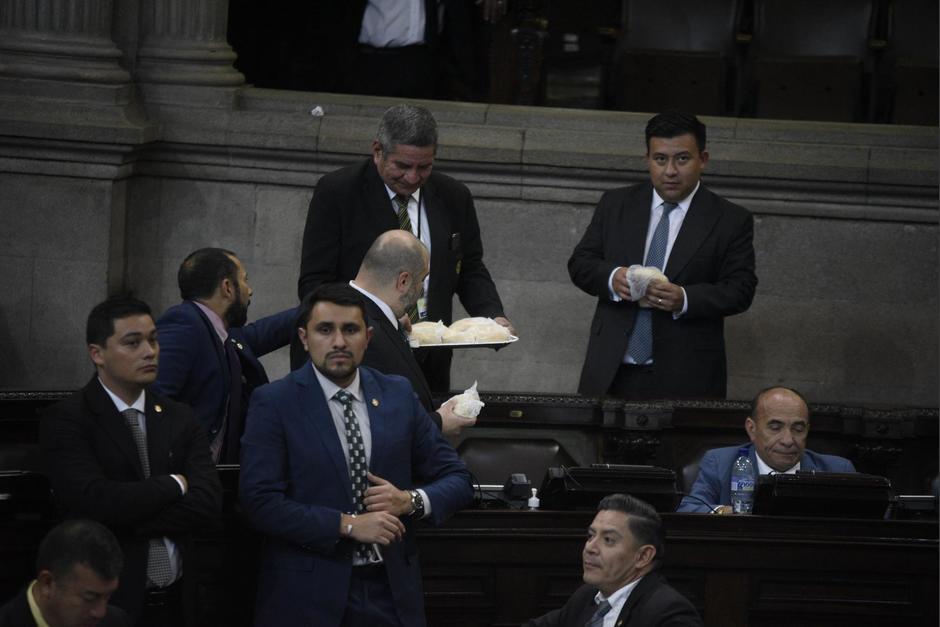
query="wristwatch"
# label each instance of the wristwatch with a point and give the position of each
(417, 504)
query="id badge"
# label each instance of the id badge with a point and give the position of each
(422, 306)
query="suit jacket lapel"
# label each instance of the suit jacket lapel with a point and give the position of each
(377, 200)
(216, 343)
(158, 437)
(404, 350)
(315, 410)
(112, 423)
(635, 220)
(440, 230)
(378, 418)
(699, 222)
(636, 597)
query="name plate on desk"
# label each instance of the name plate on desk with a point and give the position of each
(829, 494)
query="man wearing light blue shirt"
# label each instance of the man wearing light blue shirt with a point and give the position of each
(668, 342)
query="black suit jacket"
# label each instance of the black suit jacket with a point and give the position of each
(712, 258)
(653, 603)
(16, 613)
(389, 353)
(95, 471)
(350, 208)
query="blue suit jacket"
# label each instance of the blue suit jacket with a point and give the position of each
(713, 484)
(193, 368)
(295, 484)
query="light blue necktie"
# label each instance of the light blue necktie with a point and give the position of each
(598, 618)
(641, 340)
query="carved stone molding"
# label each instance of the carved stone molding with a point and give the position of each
(183, 42)
(68, 40)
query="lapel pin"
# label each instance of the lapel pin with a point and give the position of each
(157, 408)
(375, 402)
(238, 344)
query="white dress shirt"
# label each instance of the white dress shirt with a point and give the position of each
(676, 218)
(616, 600)
(392, 23)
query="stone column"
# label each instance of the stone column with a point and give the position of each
(59, 50)
(184, 50)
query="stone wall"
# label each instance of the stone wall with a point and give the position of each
(107, 192)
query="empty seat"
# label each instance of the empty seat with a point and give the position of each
(492, 460)
(677, 54)
(811, 60)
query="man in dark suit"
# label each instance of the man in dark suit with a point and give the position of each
(209, 355)
(622, 586)
(396, 188)
(77, 568)
(135, 461)
(778, 427)
(670, 343)
(337, 550)
(391, 279)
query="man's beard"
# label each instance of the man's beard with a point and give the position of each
(237, 313)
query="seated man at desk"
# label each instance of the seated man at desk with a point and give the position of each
(77, 570)
(621, 586)
(778, 427)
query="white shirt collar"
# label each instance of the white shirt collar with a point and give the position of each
(140, 404)
(415, 197)
(764, 469)
(683, 205)
(381, 304)
(330, 389)
(618, 598)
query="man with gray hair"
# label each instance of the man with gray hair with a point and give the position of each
(397, 189)
(391, 278)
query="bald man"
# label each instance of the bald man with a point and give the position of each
(391, 277)
(778, 426)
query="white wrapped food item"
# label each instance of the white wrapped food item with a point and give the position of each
(639, 278)
(468, 403)
(458, 336)
(465, 323)
(428, 332)
(476, 330)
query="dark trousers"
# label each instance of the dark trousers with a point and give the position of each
(636, 383)
(370, 602)
(163, 607)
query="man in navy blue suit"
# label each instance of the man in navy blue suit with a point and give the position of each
(209, 355)
(338, 462)
(778, 427)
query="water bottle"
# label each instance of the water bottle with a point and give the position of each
(742, 483)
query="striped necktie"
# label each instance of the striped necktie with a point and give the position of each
(404, 223)
(159, 571)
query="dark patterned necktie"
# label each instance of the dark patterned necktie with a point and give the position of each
(597, 620)
(158, 558)
(358, 466)
(404, 223)
(641, 340)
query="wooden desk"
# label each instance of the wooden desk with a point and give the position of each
(503, 567)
